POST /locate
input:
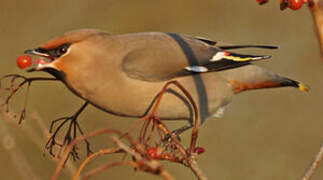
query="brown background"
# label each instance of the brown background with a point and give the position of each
(265, 134)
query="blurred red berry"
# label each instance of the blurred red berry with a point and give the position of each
(154, 153)
(24, 61)
(295, 4)
(262, 1)
(199, 150)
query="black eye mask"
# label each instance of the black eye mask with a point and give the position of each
(56, 52)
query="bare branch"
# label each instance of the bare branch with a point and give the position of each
(80, 139)
(309, 173)
(316, 7)
(13, 88)
(109, 166)
(94, 155)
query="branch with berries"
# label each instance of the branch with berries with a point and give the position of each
(156, 142)
(292, 4)
(316, 7)
(15, 84)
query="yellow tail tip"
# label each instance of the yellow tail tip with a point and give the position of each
(303, 87)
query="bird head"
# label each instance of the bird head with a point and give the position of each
(62, 50)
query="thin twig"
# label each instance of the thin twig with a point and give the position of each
(109, 166)
(150, 166)
(309, 173)
(14, 89)
(23, 167)
(190, 156)
(163, 173)
(316, 7)
(40, 123)
(92, 156)
(87, 136)
(196, 116)
(70, 134)
(195, 168)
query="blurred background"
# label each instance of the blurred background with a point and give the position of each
(264, 134)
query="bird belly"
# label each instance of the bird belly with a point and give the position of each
(135, 98)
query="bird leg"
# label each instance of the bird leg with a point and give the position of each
(178, 132)
(70, 135)
(13, 88)
(155, 119)
(152, 118)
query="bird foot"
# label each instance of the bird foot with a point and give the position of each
(71, 134)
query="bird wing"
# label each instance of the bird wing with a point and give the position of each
(162, 56)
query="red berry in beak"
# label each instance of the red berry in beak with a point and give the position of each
(24, 61)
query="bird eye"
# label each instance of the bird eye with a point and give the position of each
(62, 50)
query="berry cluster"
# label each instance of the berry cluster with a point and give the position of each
(292, 4)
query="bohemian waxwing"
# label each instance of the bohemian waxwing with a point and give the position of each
(122, 74)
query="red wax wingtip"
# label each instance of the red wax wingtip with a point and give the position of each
(226, 53)
(24, 61)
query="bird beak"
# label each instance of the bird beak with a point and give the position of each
(35, 52)
(40, 66)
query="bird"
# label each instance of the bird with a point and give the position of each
(122, 74)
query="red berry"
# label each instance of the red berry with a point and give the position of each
(199, 150)
(295, 4)
(262, 1)
(24, 61)
(154, 153)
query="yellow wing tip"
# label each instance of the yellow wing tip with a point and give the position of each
(303, 87)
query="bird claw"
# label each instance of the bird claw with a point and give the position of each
(70, 135)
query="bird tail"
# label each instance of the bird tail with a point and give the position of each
(289, 82)
(254, 77)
